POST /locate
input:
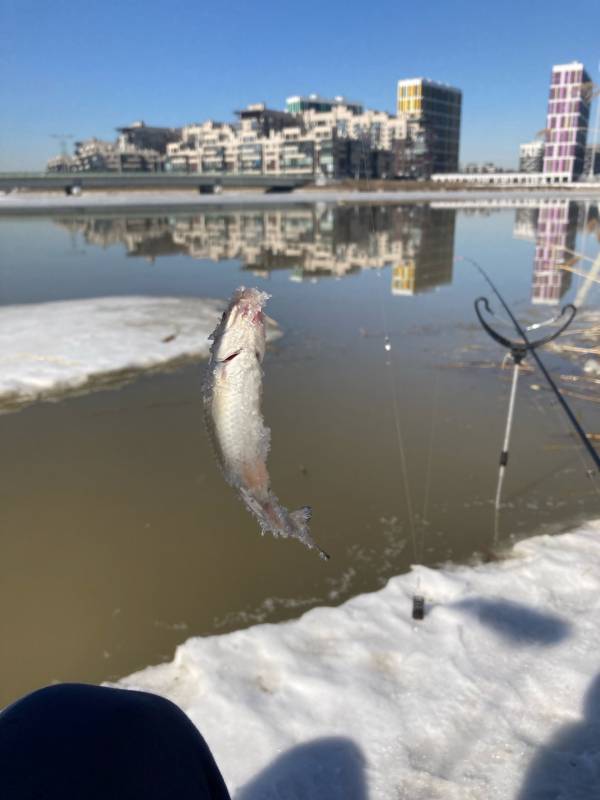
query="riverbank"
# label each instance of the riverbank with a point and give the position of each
(493, 696)
(43, 202)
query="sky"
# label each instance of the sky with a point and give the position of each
(84, 68)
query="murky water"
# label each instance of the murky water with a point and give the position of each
(120, 539)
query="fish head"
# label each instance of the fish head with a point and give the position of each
(242, 326)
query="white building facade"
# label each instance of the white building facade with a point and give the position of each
(334, 141)
(531, 156)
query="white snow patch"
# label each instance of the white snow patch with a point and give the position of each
(495, 695)
(48, 349)
(31, 201)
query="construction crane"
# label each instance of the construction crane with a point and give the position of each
(62, 138)
(594, 91)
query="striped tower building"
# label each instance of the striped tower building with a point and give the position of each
(567, 122)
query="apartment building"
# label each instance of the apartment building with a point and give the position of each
(139, 136)
(567, 123)
(436, 108)
(531, 156)
(326, 138)
(138, 148)
(375, 129)
(98, 155)
(336, 142)
(314, 102)
(314, 137)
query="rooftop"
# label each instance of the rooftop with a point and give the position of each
(571, 65)
(429, 82)
(317, 98)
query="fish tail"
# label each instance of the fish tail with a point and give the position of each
(275, 519)
(299, 520)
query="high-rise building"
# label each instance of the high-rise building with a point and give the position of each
(437, 108)
(567, 122)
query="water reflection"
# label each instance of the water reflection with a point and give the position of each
(553, 227)
(120, 538)
(315, 241)
(427, 258)
(555, 239)
(416, 242)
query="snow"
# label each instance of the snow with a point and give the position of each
(49, 349)
(88, 200)
(495, 695)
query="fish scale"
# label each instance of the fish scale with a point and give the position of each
(232, 402)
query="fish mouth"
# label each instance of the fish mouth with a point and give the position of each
(247, 304)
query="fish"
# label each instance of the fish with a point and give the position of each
(232, 394)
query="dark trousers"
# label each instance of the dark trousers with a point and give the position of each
(78, 742)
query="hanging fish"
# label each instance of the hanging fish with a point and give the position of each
(232, 397)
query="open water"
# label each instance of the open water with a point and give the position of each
(119, 538)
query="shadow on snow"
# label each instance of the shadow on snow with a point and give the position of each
(569, 764)
(324, 769)
(516, 623)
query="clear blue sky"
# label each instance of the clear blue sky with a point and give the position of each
(86, 67)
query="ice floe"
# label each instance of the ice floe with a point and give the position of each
(50, 349)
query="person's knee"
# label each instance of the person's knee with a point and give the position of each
(132, 739)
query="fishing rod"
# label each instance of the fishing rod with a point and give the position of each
(518, 352)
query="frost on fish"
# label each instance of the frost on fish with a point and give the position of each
(232, 401)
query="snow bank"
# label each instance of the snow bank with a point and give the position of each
(90, 200)
(49, 349)
(495, 695)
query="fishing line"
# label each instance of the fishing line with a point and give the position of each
(401, 450)
(418, 609)
(518, 352)
(434, 407)
(589, 473)
(530, 347)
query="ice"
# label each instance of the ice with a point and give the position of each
(89, 199)
(493, 696)
(50, 349)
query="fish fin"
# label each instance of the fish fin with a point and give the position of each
(272, 517)
(301, 516)
(300, 519)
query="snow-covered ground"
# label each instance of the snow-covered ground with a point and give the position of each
(88, 200)
(495, 695)
(50, 349)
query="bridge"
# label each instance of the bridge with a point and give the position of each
(205, 184)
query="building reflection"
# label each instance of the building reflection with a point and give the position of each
(556, 231)
(427, 257)
(309, 241)
(553, 227)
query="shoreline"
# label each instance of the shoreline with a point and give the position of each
(42, 202)
(360, 694)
